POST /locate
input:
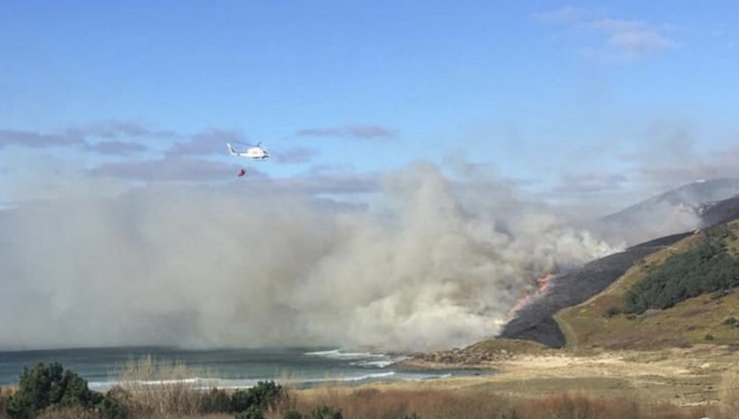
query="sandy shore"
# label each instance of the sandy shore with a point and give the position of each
(681, 376)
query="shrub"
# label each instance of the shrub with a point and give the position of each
(267, 394)
(292, 414)
(50, 386)
(116, 404)
(612, 312)
(325, 412)
(708, 337)
(215, 401)
(3, 405)
(264, 395)
(253, 412)
(705, 267)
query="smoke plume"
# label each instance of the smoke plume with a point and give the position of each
(438, 265)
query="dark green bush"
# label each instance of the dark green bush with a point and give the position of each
(115, 404)
(292, 414)
(611, 312)
(253, 412)
(706, 267)
(325, 412)
(264, 395)
(708, 337)
(50, 386)
(3, 404)
(215, 401)
(111, 409)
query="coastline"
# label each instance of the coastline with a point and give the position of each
(680, 376)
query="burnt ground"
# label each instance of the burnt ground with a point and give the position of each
(535, 321)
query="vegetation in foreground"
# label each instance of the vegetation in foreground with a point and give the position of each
(51, 392)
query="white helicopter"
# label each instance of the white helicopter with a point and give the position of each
(254, 152)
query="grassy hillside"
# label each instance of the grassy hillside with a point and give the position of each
(707, 318)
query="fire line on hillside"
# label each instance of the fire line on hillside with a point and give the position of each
(542, 288)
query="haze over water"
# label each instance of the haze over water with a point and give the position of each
(223, 368)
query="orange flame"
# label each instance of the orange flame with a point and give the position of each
(519, 305)
(544, 283)
(543, 287)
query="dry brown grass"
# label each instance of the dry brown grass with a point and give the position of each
(373, 403)
(159, 389)
(428, 404)
(389, 403)
(69, 413)
(568, 406)
(3, 405)
(78, 413)
(729, 391)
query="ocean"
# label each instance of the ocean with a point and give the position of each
(225, 368)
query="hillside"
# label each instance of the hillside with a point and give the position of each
(711, 317)
(536, 322)
(687, 199)
(678, 210)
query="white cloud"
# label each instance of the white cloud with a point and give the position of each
(613, 39)
(212, 141)
(565, 14)
(361, 132)
(592, 182)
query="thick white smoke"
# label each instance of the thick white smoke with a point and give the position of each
(193, 266)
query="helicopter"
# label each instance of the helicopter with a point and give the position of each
(254, 152)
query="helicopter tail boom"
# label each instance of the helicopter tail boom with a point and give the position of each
(231, 150)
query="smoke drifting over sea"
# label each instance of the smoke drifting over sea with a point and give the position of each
(440, 265)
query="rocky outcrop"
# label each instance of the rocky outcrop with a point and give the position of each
(467, 357)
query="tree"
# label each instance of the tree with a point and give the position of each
(47, 386)
(705, 267)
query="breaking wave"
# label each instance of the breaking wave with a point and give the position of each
(200, 383)
(360, 359)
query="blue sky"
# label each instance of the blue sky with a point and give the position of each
(567, 100)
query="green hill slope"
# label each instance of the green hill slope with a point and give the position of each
(679, 296)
